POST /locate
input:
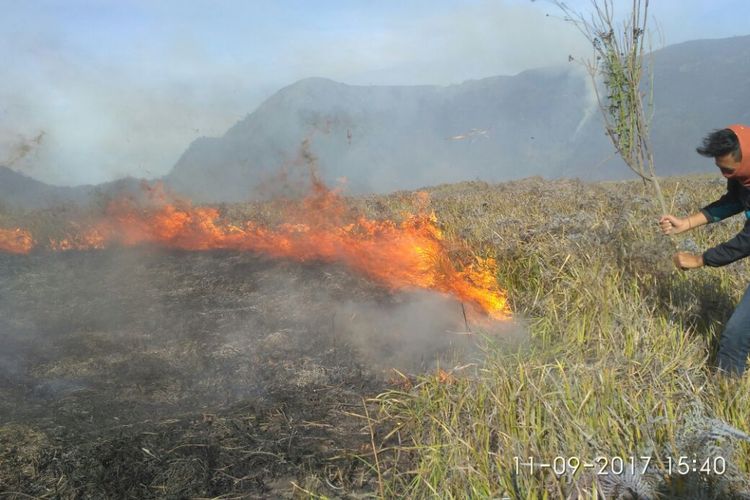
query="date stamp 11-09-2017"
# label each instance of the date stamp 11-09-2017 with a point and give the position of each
(631, 465)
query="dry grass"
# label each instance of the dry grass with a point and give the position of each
(618, 364)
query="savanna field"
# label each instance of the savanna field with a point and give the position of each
(227, 373)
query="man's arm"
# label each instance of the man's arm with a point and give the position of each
(730, 251)
(720, 255)
(726, 206)
(674, 225)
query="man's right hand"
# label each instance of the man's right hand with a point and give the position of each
(685, 260)
(670, 224)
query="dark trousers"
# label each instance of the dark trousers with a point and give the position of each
(734, 344)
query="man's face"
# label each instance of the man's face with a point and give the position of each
(727, 164)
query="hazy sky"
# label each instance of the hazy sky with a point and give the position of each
(122, 87)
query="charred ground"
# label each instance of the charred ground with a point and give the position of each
(129, 372)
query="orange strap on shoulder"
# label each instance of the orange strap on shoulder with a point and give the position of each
(742, 132)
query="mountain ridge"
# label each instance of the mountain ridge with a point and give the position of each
(541, 121)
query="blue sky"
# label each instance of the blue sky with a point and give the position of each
(122, 87)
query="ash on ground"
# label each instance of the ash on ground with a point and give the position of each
(144, 373)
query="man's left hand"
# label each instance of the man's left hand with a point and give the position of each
(685, 260)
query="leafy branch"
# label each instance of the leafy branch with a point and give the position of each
(619, 63)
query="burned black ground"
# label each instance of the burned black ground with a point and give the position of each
(146, 373)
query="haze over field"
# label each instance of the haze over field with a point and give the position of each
(95, 91)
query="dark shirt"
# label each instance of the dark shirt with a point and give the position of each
(736, 200)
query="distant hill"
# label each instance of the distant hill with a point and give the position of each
(698, 86)
(20, 191)
(384, 138)
(539, 122)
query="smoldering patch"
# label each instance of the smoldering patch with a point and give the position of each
(414, 332)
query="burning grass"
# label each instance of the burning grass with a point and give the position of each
(17, 240)
(224, 393)
(321, 227)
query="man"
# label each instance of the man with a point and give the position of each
(730, 148)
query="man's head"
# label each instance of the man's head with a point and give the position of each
(724, 147)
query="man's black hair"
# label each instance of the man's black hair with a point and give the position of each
(720, 143)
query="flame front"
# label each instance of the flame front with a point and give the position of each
(321, 227)
(15, 241)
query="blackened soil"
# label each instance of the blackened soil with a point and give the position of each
(148, 374)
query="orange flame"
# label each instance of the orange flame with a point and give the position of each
(15, 241)
(321, 227)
